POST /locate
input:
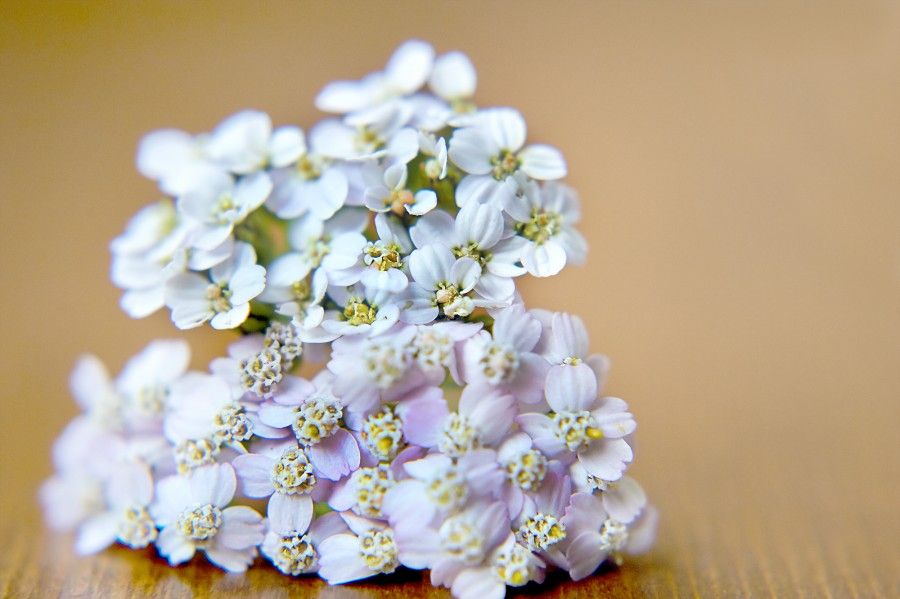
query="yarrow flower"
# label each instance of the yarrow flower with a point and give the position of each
(448, 427)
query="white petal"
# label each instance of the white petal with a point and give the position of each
(625, 500)
(506, 128)
(290, 513)
(287, 145)
(544, 260)
(465, 273)
(240, 142)
(241, 529)
(97, 534)
(409, 66)
(471, 150)
(426, 200)
(571, 388)
(453, 76)
(543, 162)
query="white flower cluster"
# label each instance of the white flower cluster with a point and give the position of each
(451, 429)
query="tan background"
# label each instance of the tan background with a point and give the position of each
(740, 171)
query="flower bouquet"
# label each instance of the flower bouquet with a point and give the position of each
(450, 429)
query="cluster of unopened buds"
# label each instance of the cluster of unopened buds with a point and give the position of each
(450, 429)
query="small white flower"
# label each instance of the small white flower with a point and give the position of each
(128, 493)
(332, 246)
(201, 407)
(307, 182)
(490, 148)
(147, 254)
(223, 298)
(478, 232)
(175, 159)
(362, 311)
(382, 131)
(384, 260)
(240, 144)
(442, 285)
(146, 382)
(545, 218)
(220, 204)
(393, 195)
(406, 71)
(193, 515)
(244, 143)
(294, 290)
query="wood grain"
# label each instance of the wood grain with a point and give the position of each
(739, 164)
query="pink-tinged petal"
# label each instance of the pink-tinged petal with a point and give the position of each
(408, 454)
(607, 459)
(90, 383)
(340, 560)
(335, 456)
(255, 474)
(292, 390)
(601, 365)
(360, 524)
(277, 416)
(541, 430)
(478, 583)
(231, 560)
(528, 383)
(613, 417)
(173, 495)
(322, 490)
(418, 547)
(174, 547)
(569, 337)
(444, 572)
(492, 415)
(571, 388)
(513, 446)
(624, 500)
(585, 513)
(260, 429)
(289, 513)
(343, 497)
(423, 420)
(213, 484)
(517, 328)
(131, 484)
(642, 533)
(406, 503)
(423, 469)
(584, 555)
(97, 533)
(242, 528)
(514, 498)
(325, 526)
(482, 471)
(554, 494)
(493, 522)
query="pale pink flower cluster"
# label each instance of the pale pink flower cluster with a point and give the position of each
(450, 429)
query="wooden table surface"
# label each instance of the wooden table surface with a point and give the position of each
(739, 164)
(784, 521)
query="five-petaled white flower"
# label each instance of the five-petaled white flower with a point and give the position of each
(490, 148)
(192, 511)
(223, 297)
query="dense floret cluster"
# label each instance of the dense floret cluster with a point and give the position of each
(451, 429)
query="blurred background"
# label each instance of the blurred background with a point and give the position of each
(739, 167)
